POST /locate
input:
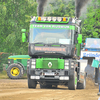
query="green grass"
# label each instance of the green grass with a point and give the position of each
(24, 76)
(3, 75)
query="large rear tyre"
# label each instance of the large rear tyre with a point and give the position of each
(82, 85)
(31, 83)
(15, 71)
(72, 84)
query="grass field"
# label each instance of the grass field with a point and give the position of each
(3, 75)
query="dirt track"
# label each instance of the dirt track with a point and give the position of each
(18, 90)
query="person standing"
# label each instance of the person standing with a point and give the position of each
(99, 79)
(95, 45)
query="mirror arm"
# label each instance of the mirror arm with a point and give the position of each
(28, 37)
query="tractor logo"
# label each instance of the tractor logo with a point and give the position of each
(49, 64)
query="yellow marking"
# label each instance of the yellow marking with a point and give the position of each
(18, 58)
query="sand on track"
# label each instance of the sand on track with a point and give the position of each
(18, 90)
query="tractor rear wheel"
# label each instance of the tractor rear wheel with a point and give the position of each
(15, 71)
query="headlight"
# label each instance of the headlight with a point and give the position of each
(8, 61)
(72, 63)
(32, 66)
(28, 65)
(66, 63)
(66, 67)
(59, 19)
(72, 66)
(54, 18)
(32, 62)
(44, 18)
(28, 62)
(49, 18)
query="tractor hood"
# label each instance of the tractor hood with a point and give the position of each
(19, 57)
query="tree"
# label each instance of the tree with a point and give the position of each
(15, 16)
(61, 8)
(91, 25)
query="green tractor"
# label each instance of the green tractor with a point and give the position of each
(17, 65)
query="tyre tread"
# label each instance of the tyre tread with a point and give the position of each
(31, 83)
(9, 68)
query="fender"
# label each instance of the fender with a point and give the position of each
(21, 65)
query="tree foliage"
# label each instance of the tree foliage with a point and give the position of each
(15, 15)
(61, 8)
(3, 59)
(91, 25)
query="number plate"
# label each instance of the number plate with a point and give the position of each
(49, 73)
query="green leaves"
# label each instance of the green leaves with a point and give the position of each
(3, 60)
(91, 25)
(61, 8)
(14, 16)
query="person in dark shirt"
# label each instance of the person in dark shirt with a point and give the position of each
(95, 45)
(99, 80)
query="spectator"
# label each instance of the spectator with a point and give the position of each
(95, 45)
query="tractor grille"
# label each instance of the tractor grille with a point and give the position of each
(19, 60)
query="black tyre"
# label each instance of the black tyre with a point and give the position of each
(31, 83)
(72, 84)
(83, 84)
(15, 71)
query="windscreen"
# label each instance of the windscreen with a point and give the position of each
(92, 43)
(51, 34)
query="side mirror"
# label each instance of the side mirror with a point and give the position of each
(78, 29)
(23, 35)
(79, 38)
